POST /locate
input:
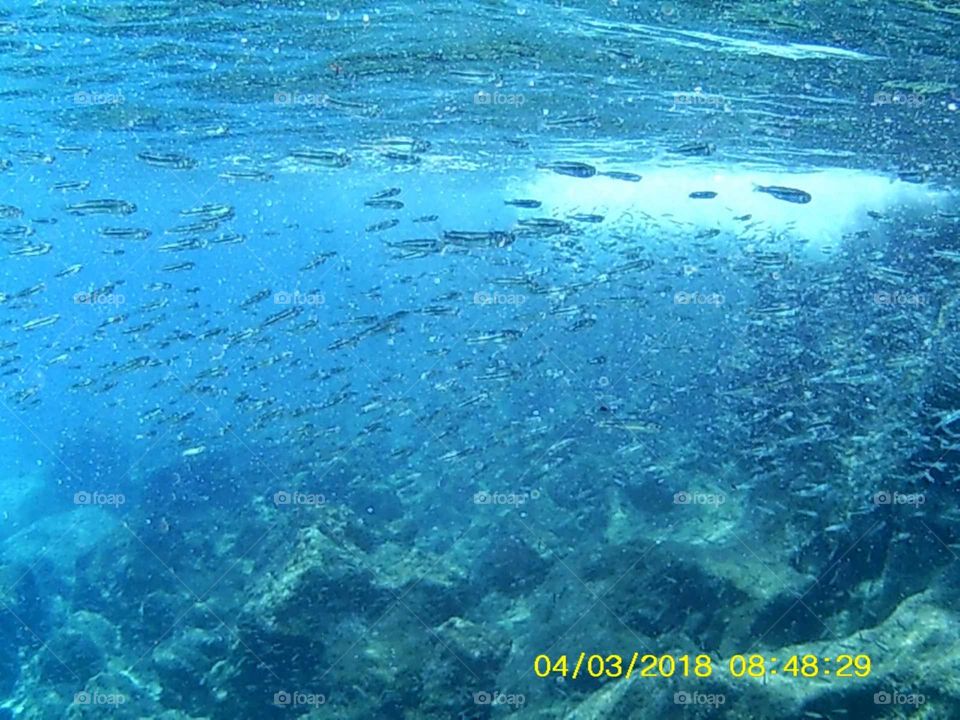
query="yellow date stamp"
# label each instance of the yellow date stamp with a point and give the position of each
(755, 665)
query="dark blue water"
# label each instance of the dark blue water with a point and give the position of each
(546, 359)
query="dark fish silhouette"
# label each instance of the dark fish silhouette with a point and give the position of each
(784, 193)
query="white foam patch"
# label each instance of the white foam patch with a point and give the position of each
(839, 205)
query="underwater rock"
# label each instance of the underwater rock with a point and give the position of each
(77, 650)
(177, 659)
(911, 655)
(122, 695)
(448, 688)
(508, 564)
(70, 656)
(325, 600)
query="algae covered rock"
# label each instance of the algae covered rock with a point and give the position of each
(462, 671)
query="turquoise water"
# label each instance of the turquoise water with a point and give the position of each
(496, 359)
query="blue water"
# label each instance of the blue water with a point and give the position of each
(406, 375)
